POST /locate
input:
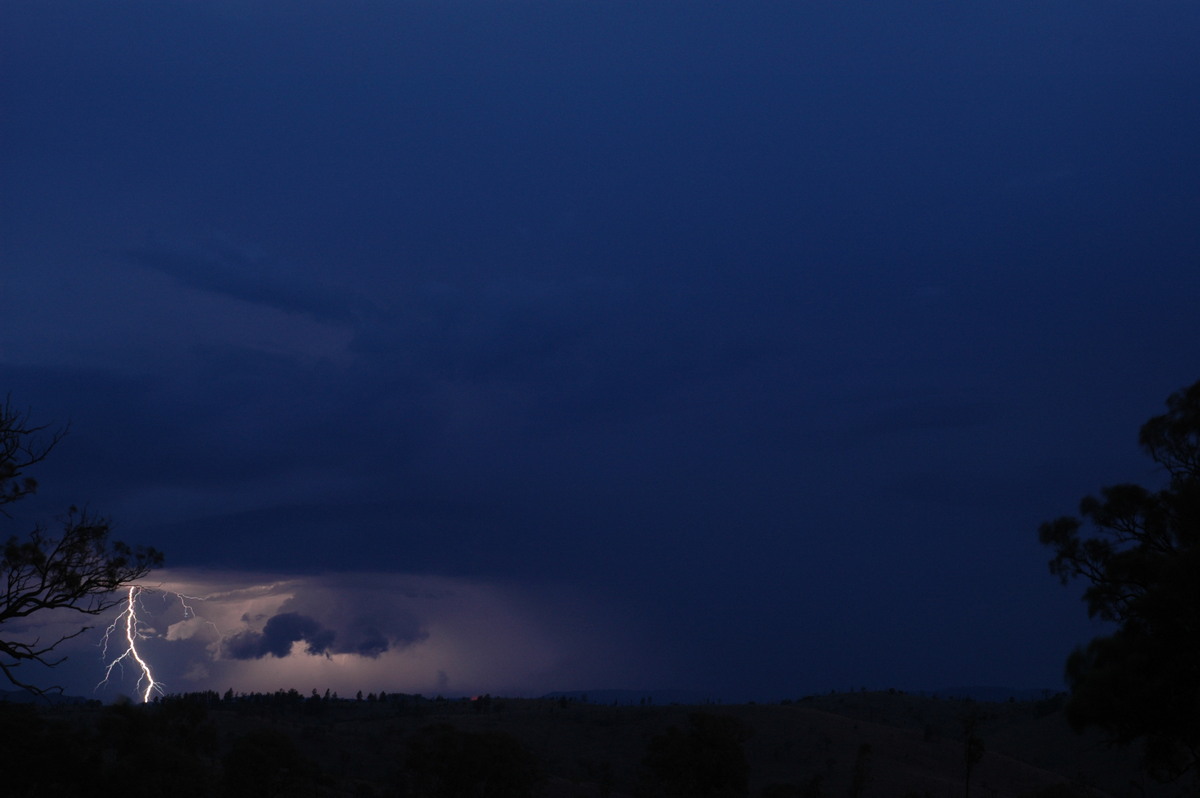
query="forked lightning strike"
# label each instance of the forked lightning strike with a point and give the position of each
(128, 618)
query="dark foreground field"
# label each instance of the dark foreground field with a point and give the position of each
(855, 745)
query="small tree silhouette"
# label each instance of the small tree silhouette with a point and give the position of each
(1143, 569)
(973, 747)
(76, 569)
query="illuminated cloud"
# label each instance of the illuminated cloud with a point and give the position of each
(277, 637)
(350, 632)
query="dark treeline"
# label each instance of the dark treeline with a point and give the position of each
(249, 744)
(286, 698)
(398, 745)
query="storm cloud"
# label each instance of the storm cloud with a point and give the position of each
(277, 637)
(206, 630)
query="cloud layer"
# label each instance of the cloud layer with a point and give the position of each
(420, 634)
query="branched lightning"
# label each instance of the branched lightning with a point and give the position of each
(129, 628)
(128, 619)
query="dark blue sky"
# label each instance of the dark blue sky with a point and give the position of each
(767, 332)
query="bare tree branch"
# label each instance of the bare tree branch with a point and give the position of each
(77, 568)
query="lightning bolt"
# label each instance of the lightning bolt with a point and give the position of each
(129, 629)
(132, 633)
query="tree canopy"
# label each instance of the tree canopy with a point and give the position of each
(1137, 550)
(75, 567)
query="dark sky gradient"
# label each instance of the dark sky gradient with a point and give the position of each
(769, 330)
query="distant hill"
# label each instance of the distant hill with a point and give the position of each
(995, 694)
(635, 697)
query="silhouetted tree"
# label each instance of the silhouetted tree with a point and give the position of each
(973, 747)
(1142, 563)
(706, 761)
(76, 568)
